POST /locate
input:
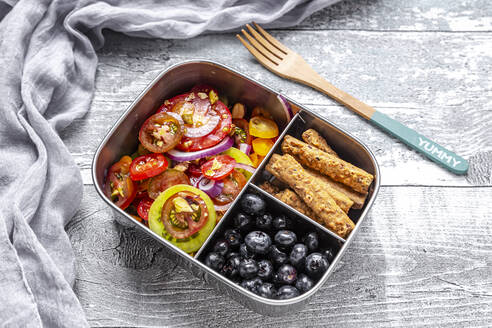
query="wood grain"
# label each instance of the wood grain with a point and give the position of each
(403, 15)
(422, 258)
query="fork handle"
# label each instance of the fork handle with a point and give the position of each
(410, 137)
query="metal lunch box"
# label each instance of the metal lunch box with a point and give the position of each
(122, 139)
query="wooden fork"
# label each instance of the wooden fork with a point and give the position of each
(284, 62)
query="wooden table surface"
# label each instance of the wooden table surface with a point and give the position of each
(423, 256)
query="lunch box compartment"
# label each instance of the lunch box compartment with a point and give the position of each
(336, 139)
(122, 139)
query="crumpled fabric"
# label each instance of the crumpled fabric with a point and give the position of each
(47, 71)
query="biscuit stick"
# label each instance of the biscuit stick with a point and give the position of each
(332, 166)
(287, 169)
(313, 138)
(357, 198)
(293, 200)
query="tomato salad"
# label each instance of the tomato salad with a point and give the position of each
(194, 157)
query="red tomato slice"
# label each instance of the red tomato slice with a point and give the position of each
(147, 166)
(119, 187)
(242, 135)
(143, 208)
(232, 186)
(142, 186)
(221, 130)
(160, 133)
(218, 167)
(170, 103)
(165, 180)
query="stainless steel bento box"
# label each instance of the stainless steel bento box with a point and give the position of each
(122, 139)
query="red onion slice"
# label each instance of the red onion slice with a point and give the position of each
(286, 106)
(210, 187)
(203, 130)
(245, 148)
(245, 167)
(181, 156)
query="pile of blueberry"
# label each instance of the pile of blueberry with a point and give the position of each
(262, 255)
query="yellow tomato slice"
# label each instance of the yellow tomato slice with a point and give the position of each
(262, 146)
(262, 127)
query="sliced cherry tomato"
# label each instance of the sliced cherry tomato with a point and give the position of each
(241, 131)
(147, 166)
(262, 146)
(232, 186)
(160, 133)
(168, 104)
(256, 159)
(165, 180)
(260, 111)
(221, 130)
(172, 218)
(263, 127)
(195, 168)
(218, 167)
(119, 187)
(143, 208)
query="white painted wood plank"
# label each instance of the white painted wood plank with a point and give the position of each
(404, 15)
(423, 258)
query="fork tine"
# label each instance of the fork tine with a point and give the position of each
(265, 43)
(260, 48)
(272, 40)
(262, 59)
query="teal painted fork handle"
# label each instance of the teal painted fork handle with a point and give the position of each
(432, 150)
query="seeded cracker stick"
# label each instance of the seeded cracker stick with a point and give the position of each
(356, 197)
(287, 169)
(332, 166)
(342, 200)
(313, 138)
(292, 199)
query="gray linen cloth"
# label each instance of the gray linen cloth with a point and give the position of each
(47, 71)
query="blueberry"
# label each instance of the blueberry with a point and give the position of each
(316, 265)
(233, 237)
(266, 290)
(287, 274)
(214, 260)
(286, 292)
(231, 266)
(264, 222)
(245, 252)
(304, 283)
(251, 284)
(258, 242)
(230, 254)
(252, 204)
(328, 253)
(221, 247)
(243, 222)
(281, 222)
(248, 268)
(311, 241)
(265, 269)
(277, 256)
(298, 255)
(285, 239)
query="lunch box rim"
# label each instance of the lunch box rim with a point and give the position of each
(268, 302)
